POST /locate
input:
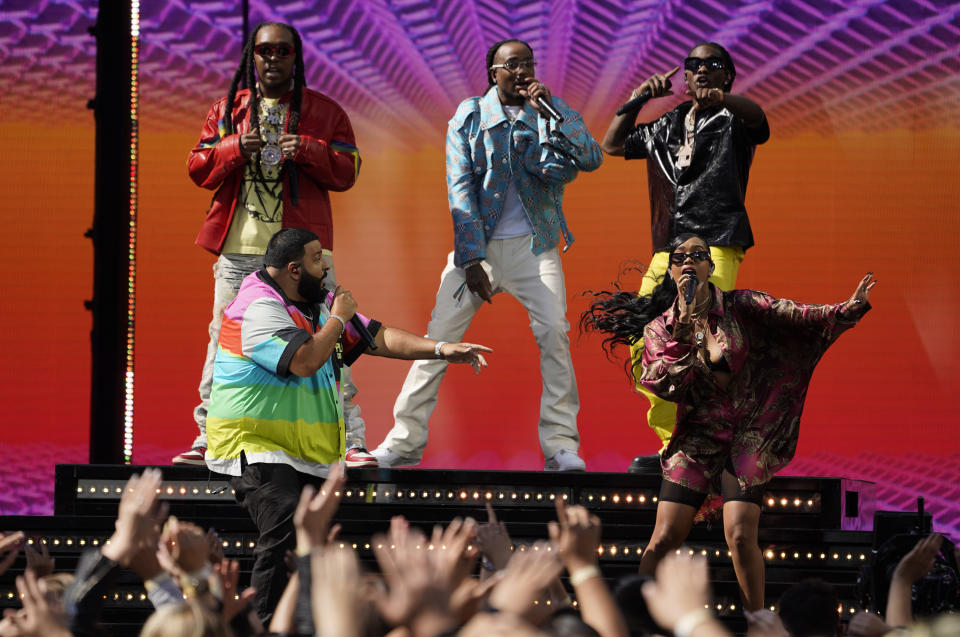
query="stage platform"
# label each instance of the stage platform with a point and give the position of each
(811, 527)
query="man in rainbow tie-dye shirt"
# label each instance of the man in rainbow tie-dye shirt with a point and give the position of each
(275, 421)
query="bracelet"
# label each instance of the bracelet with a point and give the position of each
(436, 349)
(343, 324)
(690, 621)
(582, 574)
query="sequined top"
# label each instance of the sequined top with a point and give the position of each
(771, 346)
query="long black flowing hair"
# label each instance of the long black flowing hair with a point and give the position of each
(247, 71)
(621, 315)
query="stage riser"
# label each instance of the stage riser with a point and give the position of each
(810, 527)
(790, 502)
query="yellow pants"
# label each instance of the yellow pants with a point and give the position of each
(663, 413)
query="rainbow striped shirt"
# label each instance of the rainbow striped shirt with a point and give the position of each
(257, 407)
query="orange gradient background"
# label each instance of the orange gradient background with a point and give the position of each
(825, 209)
(825, 206)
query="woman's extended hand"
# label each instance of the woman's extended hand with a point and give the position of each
(856, 306)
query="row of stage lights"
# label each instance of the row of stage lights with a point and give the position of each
(239, 546)
(137, 597)
(384, 493)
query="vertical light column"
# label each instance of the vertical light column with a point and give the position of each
(132, 231)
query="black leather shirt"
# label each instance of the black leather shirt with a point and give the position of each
(706, 197)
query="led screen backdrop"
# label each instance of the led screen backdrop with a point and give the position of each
(860, 174)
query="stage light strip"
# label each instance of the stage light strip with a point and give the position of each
(132, 236)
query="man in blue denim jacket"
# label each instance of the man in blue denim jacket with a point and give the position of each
(507, 166)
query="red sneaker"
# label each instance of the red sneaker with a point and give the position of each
(359, 457)
(194, 457)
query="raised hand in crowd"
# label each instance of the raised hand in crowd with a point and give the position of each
(42, 614)
(138, 518)
(456, 553)
(215, 547)
(40, 561)
(418, 595)
(10, 544)
(494, 542)
(316, 509)
(236, 604)
(576, 534)
(184, 548)
(335, 591)
(914, 565)
(679, 596)
(523, 589)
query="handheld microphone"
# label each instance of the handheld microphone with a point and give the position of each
(363, 332)
(636, 103)
(546, 106)
(549, 109)
(689, 294)
(357, 324)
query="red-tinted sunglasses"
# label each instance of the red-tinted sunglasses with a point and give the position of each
(279, 50)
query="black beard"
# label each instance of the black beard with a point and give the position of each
(311, 287)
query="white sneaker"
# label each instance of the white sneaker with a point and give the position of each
(387, 458)
(565, 460)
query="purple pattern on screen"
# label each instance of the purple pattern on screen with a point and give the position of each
(399, 67)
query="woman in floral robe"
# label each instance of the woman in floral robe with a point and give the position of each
(738, 365)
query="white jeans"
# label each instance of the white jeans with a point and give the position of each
(229, 271)
(535, 281)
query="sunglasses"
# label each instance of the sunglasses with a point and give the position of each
(678, 258)
(713, 63)
(280, 50)
(513, 65)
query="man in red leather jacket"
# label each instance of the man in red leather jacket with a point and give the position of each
(271, 164)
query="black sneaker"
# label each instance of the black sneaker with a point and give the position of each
(646, 465)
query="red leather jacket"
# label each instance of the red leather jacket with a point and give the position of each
(326, 160)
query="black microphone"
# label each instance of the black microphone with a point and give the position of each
(688, 295)
(363, 331)
(549, 109)
(635, 103)
(357, 324)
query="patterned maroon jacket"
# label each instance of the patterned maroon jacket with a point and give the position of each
(326, 160)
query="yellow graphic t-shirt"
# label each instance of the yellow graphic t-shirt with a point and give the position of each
(260, 201)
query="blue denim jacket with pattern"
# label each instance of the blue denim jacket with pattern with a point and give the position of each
(484, 150)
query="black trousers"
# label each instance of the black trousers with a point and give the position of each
(270, 493)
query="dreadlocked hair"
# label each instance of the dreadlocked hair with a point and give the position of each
(247, 70)
(621, 315)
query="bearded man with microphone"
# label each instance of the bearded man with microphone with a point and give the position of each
(698, 161)
(510, 153)
(276, 420)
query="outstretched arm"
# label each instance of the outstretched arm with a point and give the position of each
(834, 318)
(393, 342)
